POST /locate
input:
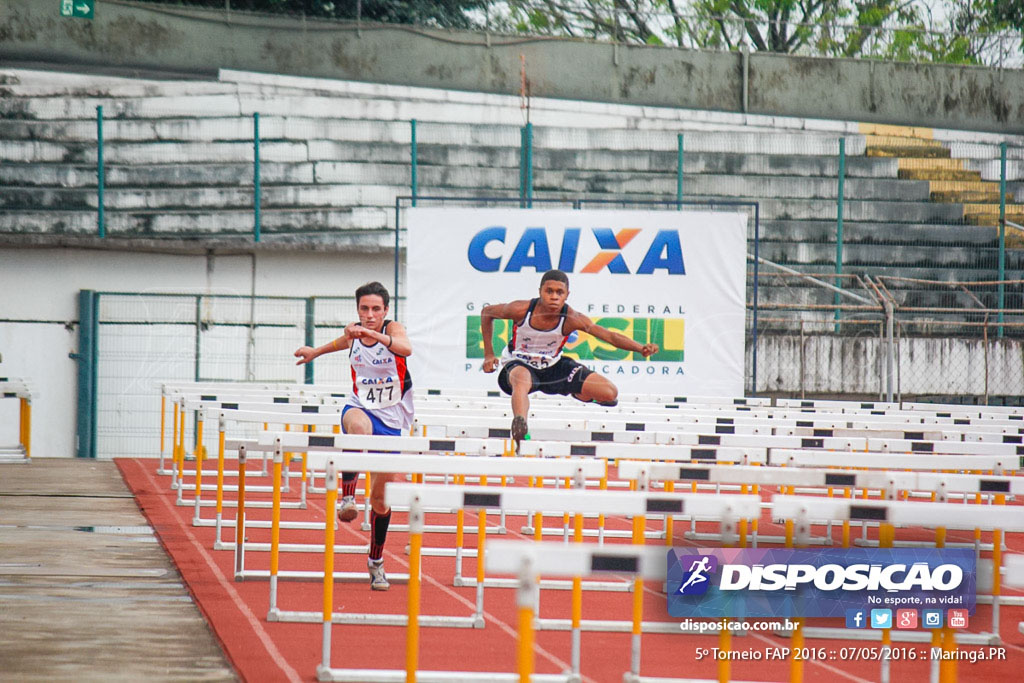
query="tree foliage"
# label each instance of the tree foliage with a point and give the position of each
(953, 31)
(923, 30)
(445, 13)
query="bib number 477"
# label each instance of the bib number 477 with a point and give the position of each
(380, 395)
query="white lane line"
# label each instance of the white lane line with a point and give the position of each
(254, 622)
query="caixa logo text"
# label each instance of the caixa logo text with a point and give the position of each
(488, 249)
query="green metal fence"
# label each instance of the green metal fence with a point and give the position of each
(130, 343)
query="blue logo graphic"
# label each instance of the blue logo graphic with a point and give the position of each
(697, 570)
(881, 618)
(533, 250)
(856, 618)
(931, 618)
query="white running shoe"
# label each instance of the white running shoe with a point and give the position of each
(348, 510)
(378, 580)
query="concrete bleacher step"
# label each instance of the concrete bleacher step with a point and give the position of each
(856, 256)
(272, 196)
(939, 174)
(209, 223)
(929, 272)
(892, 234)
(149, 175)
(811, 209)
(752, 187)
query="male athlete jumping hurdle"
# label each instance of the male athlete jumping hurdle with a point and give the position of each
(533, 359)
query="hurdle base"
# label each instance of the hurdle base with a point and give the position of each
(355, 619)
(873, 543)
(398, 676)
(751, 538)
(548, 584)
(341, 577)
(1013, 600)
(295, 548)
(612, 626)
(590, 533)
(630, 678)
(439, 528)
(444, 552)
(984, 638)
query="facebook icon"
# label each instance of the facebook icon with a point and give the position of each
(856, 618)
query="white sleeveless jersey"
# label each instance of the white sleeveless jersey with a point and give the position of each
(537, 348)
(381, 382)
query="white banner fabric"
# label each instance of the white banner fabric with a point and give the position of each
(677, 278)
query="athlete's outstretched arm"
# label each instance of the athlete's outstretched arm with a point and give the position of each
(515, 310)
(306, 354)
(577, 321)
(395, 339)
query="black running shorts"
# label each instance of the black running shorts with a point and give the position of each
(564, 377)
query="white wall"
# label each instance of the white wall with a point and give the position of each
(39, 295)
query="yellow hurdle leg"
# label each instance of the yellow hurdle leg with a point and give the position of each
(331, 504)
(796, 665)
(27, 439)
(412, 631)
(524, 653)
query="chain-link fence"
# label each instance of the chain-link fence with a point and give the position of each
(147, 339)
(893, 338)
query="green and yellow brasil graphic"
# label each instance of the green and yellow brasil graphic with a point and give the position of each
(667, 333)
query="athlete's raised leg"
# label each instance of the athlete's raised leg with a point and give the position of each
(599, 389)
(355, 421)
(521, 382)
(380, 518)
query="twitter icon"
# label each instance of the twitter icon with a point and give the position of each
(881, 618)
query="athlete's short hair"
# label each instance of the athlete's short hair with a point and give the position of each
(373, 288)
(556, 275)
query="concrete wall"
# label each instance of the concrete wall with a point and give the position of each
(923, 366)
(39, 312)
(144, 36)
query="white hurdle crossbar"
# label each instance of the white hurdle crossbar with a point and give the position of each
(634, 504)
(576, 468)
(998, 518)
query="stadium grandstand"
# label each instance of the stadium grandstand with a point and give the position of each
(189, 195)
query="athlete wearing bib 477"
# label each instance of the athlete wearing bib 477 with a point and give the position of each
(533, 359)
(381, 402)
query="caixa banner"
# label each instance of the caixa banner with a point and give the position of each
(675, 278)
(827, 582)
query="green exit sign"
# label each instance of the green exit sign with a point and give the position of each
(77, 8)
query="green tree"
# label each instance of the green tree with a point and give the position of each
(446, 13)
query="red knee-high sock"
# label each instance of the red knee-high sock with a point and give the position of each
(379, 532)
(348, 483)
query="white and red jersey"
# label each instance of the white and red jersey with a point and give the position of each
(537, 348)
(381, 382)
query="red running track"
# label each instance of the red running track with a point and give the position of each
(269, 651)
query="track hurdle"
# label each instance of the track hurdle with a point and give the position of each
(200, 407)
(22, 451)
(634, 504)
(527, 560)
(768, 476)
(308, 419)
(576, 469)
(275, 524)
(998, 518)
(1014, 576)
